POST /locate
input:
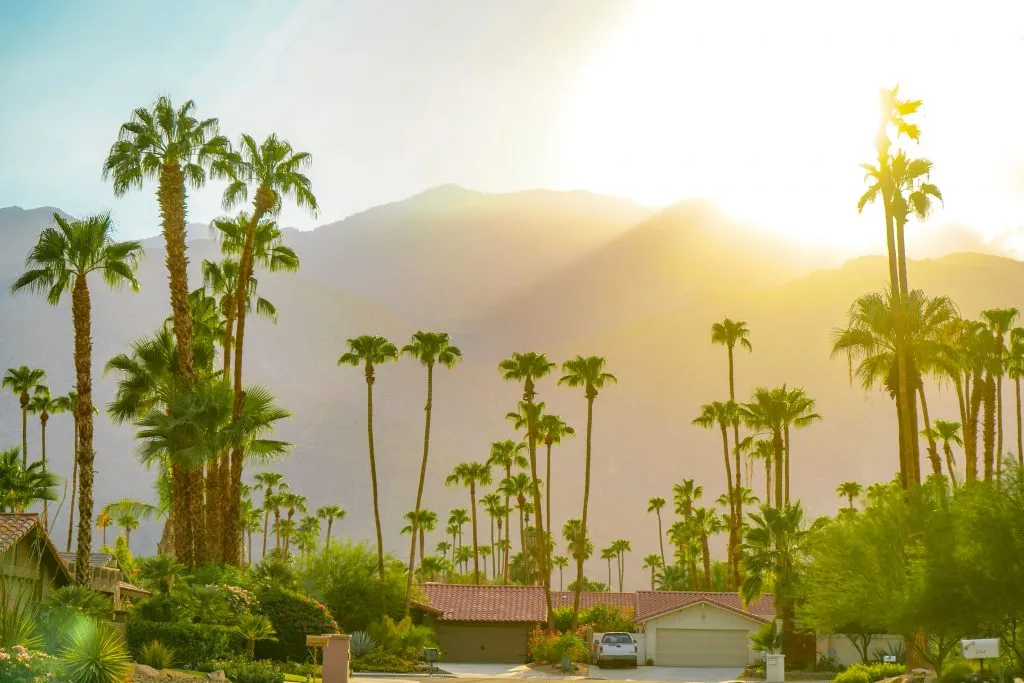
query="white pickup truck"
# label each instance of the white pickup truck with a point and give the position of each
(616, 647)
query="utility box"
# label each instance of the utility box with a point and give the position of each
(775, 668)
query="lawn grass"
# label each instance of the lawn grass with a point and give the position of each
(292, 678)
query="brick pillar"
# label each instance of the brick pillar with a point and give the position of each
(336, 658)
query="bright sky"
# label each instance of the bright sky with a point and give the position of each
(765, 107)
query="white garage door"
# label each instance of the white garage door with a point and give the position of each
(701, 647)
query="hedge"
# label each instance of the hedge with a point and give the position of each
(294, 616)
(192, 643)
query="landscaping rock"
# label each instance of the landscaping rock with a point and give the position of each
(219, 677)
(144, 674)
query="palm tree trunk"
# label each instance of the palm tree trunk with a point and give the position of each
(779, 455)
(933, 452)
(250, 547)
(74, 483)
(327, 542)
(999, 409)
(494, 551)
(42, 421)
(476, 546)
(547, 484)
(737, 511)
(508, 512)
(81, 309)
(785, 448)
(609, 572)
(128, 538)
(220, 473)
(561, 580)
(976, 394)
(419, 491)
(423, 541)
(212, 511)
(522, 535)
(373, 475)
(950, 465)
(583, 518)
(266, 529)
(706, 552)
(989, 427)
(661, 537)
(1020, 439)
(171, 197)
(732, 493)
(24, 429)
(542, 545)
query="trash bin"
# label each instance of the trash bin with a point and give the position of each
(775, 668)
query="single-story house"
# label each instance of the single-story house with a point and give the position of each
(700, 629)
(107, 578)
(28, 558)
(482, 623)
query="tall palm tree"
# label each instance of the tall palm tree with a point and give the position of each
(68, 403)
(433, 568)
(103, 520)
(561, 562)
(471, 475)
(654, 563)
(23, 382)
(507, 454)
(1014, 370)
(274, 170)
(20, 486)
(684, 495)
(457, 519)
(371, 351)
(768, 413)
(170, 145)
(518, 487)
(609, 554)
(799, 414)
(528, 368)
(61, 261)
(775, 548)
(43, 405)
(129, 513)
(551, 430)
(443, 547)
(849, 490)
(706, 523)
(580, 546)
(725, 414)
(292, 503)
(621, 547)
(1000, 323)
(269, 482)
(655, 505)
(491, 503)
(588, 373)
(421, 523)
(948, 432)
(330, 513)
(430, 349)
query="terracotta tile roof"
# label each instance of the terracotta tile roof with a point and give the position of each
(652, 604)
(13, 528)
(458, 602)
(624, 601)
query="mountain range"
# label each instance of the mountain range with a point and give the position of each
(564, 273)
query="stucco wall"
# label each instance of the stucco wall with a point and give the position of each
(845, 651)
(714, 618)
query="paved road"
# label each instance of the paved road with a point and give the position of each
(648, 674)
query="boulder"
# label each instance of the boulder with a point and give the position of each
(219, 677)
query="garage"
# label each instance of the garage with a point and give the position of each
(483, 642)
(702, 647)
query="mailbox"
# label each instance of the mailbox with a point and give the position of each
(980, 648)
(430, 654)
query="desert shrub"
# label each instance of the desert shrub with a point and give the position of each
(551, 646)
(293, 616)
(345, 578)
(957, 672)
(361, 643)
(193, 643)
(253, 672)
(156, 654)
(403, 639)
(828, 663)
(94, 653)
(20, 665)
(382, 662)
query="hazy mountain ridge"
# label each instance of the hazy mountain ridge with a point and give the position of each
(641, 288)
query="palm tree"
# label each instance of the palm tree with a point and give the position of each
(371, 351)
(43, 405)
(948, 432)
(292, 502)
(23, 382)
(849, 490)
(68, 403)
(330, 513)
(458, 518)
(103, 520)
(463, 556)
(684, 495)
(518, 486)
(560, 561)
(507, 454)
(799, 414)
(621, 547)
(655, 505)
(430, 349)
(775, 548)
(491, 503)
(268, 482)
(20, 486)
(527, 368)
(443, 547)
(1000, 323)
(60, 262)
(768, 413)
(654, 563)
(587, 373)
(580, 547)
(275, 171)
(128, 513)
(1014, 370)
(423, 522)
(706, 523)
(309, 532)
(551, 430)
(725, 414)
(609, 554)
(169, 145)
(486, 551)
(432, 568)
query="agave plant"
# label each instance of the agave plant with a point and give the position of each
(94, 653)
(361, 643)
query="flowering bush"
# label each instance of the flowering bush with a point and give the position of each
(19, 665)
(551, 646)
(240, 599)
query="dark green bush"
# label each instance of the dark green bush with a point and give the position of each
(957, 672)
(157, 655)
(381, 662)
(860, 673)
(192, 643)
(253, 672)
(294, 616)
(403, 639)
(852, 675)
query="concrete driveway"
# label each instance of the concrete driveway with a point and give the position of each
(668, 674)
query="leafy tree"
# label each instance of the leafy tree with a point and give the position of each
(655, 505)
(329, 513)
(61, 261)
(430, 349)
(587, 373)
(23, 382)
(507, 454)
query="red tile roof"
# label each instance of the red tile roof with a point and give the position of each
(459, 602)
(624, 601)
(13, 528)
(652, 604)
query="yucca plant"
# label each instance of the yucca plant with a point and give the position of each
(157, 655)
(94, 653)
(361, 643)
(59, 611)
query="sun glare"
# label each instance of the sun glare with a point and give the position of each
(744, 105)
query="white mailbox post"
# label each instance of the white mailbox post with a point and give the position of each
(980, 649)
(775, 668)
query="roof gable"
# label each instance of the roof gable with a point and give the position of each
(15, 527)
(462, 602)
(654, 604)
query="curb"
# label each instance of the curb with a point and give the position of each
(414, 676)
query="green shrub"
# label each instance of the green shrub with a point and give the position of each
(551, 646)
(381, 662)
(361, 643)
(606, 618)
(253, 672)
(403, 639)
(869, 673)
(293, 616)
(163, 607)
(62, 608)
(561, 618)
(19, 665)
(94, 653)
(957, 672)
(852, 675)
(156, 654)
(193, 643)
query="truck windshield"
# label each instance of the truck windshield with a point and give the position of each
(617, 639)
